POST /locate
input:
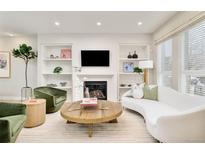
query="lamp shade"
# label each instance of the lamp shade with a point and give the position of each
(148, 64)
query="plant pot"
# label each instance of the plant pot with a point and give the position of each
(26, 93)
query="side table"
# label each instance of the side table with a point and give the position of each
(35, 112)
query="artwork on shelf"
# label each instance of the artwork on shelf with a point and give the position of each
(5, 64)
(128, 67)
(65, 53)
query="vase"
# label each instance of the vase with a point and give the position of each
(87, 94)
(26, 93)
(134, 55)
(129, 56)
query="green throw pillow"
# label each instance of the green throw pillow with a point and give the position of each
(151, 92)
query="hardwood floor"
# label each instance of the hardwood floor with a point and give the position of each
(130, 128)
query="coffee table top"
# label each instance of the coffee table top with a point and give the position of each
(105, 111)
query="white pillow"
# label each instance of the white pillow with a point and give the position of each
(137, 91)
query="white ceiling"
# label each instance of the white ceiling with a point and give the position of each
(19, 23)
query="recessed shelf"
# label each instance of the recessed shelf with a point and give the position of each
(125, 87)
(57, 73)
(133, 59)
(59, 59)
(122, 73)
(66, 87)
(95, 74)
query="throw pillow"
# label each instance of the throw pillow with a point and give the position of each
(150, 92)
(137, 91)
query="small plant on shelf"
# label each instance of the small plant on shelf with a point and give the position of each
(58, 70)
(138, 70)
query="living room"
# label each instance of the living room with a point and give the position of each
(102, 76)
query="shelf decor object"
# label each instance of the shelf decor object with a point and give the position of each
(148, 64)
(5, 64)
(129, 56)
(57, 70)
(138, 70)
(25, 52)
(135, 56)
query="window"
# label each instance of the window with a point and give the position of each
(165, 63)
(194, 59)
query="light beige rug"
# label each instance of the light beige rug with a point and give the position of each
(130, 128)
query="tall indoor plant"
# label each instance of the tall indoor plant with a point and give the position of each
(25, 52)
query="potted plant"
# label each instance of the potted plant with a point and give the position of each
(25, 52)
(138, 70)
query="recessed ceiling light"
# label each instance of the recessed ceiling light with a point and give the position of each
(99, 23)
(139, 23)
(57, 23)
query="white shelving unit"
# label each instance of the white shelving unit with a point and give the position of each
(46, 66)
(143, 52)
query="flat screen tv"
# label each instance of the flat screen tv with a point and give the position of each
(95, 58)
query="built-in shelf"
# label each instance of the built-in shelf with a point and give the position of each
(47, 64)
(59, 59)
(57, 73)
(122, 73)
(133, 59)
(95, 74)
(125, 49)
(125, 87)
(59, 87)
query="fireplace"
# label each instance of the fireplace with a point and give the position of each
(96, 89)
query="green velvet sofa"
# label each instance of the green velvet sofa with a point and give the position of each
(12, 119)
(55, 98)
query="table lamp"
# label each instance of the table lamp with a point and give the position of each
(145, 65)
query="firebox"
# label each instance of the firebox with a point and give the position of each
(96, 89)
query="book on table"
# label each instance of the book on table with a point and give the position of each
(89, 102)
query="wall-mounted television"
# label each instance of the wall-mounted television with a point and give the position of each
(95, 58)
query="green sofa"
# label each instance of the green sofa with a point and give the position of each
(12, 119)
(55, 98)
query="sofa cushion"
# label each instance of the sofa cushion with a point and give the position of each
(137, 91)
(59, 99)
(151, 92)
(15, 122)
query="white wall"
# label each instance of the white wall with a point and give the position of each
(96, 41)
(11, 88)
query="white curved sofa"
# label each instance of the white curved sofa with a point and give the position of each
(175, 117)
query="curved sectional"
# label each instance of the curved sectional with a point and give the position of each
(175, 117)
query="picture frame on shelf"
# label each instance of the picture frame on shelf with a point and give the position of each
(5, 64)
(128, 67)
(65, 53)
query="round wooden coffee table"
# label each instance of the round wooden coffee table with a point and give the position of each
(105, 111)
(35, 112)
